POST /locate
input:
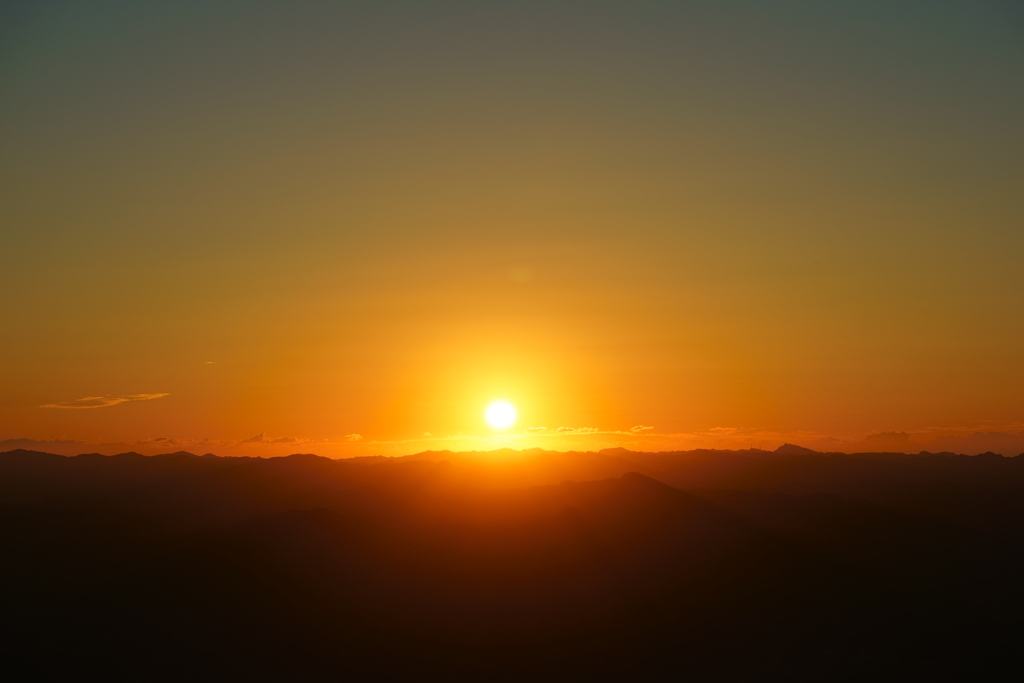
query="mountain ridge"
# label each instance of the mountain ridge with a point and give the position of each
(394, 567)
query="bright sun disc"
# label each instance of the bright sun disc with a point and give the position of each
(501, 414)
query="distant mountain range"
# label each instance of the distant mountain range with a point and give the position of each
(731, 565)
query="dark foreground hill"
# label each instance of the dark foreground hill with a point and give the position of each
(468, 566)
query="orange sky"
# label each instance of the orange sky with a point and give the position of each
(312, 224)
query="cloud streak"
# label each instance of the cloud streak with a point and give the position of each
(262, 438)
(90, 402)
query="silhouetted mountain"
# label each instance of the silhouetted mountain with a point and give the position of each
(791, 449)
(512, 565)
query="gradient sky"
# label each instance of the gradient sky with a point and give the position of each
(735, 223)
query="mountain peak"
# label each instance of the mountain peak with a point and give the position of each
(793, 449)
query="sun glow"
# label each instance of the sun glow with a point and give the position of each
(500, 414)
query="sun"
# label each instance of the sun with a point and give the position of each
(500, 414)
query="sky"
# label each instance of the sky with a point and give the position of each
(346, 228)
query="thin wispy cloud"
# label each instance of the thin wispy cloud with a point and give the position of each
(888, 437)
(101, 401)
(640, 428)
(353, 437)
(263, 438)
(578, 430)
(536, 429)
